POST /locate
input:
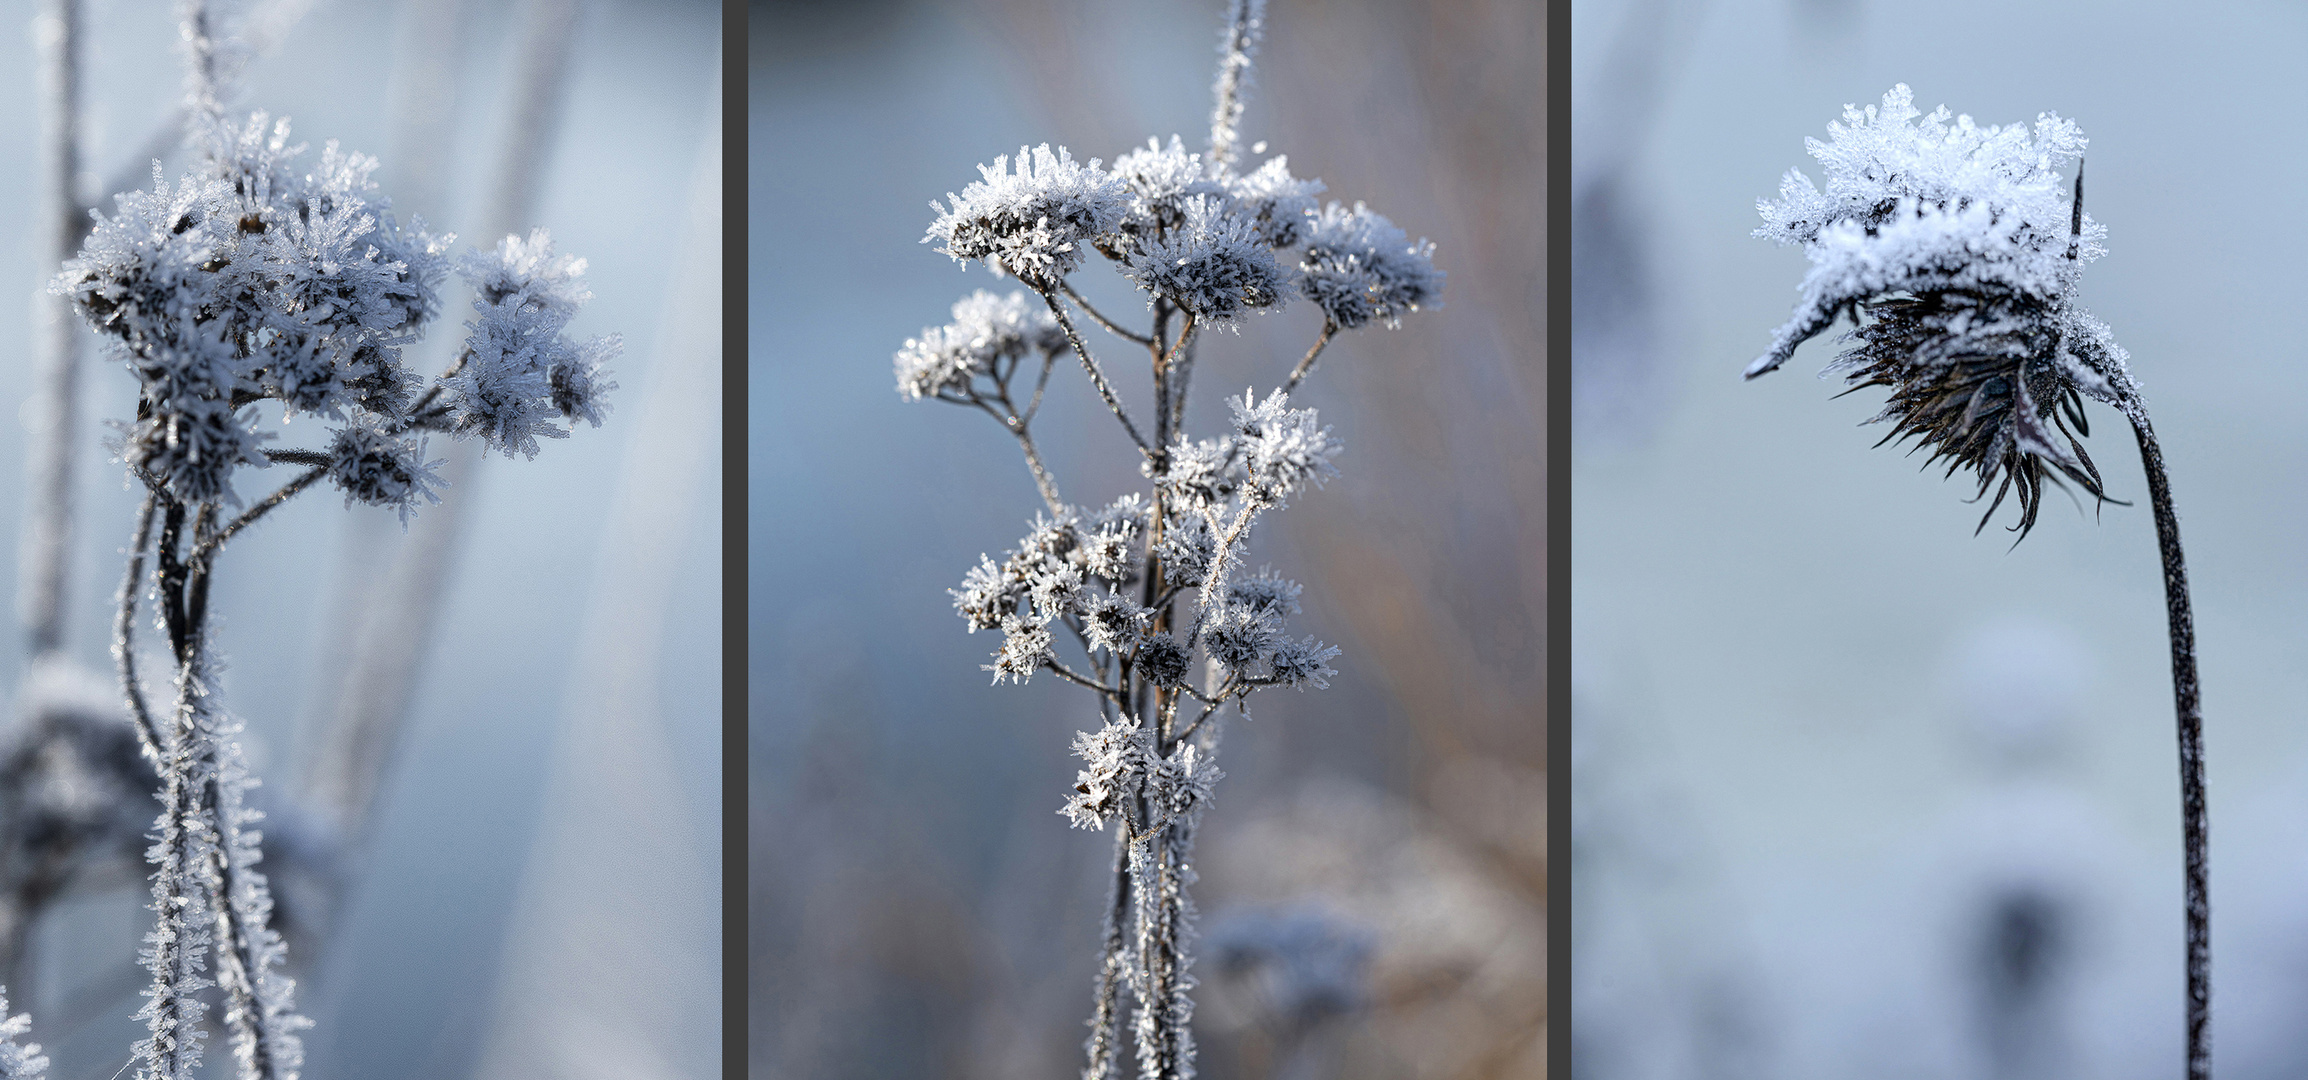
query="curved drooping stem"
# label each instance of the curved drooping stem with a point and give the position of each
(2191, 729)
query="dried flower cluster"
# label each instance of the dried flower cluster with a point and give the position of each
(1209, 244)
(254, 281)
(1956, 250)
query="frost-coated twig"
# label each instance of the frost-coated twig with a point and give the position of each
(124, 634)
(205, 551)
(1097, 377)
(1105, 1017)
(1307, 365)
(1237, 51)
(1016, 425)
(1109, 324)
(257, 278)
(176, 950)
(2189, 713)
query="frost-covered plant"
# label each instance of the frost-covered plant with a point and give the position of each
(266, 279)
(1956, 250)
(1146, 591)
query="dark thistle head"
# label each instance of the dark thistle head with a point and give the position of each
(1955, 253)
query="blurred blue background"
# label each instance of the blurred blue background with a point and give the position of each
(1859, 794)
(917, 906)
(418, 975)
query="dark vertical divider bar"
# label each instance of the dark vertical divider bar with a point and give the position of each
(733, 727)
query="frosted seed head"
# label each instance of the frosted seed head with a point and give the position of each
(1265, 591)
(1111, 622)
(1025, 646)
(1214, 265)
(1163, 661)
(1359, 267)
(1160, 181)
(1279, 205)
(1283, 449)
(986, 330)
(380, 469)
(1033, 224)
(1956, 249)
(1299, 664)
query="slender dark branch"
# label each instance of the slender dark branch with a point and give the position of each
(1168, 365)
(1185, 373)
(170, 598)
(124, 635)
(1329, 327)
(1097, 377)
(196, 579)
(2189, 712)
(1041, 383)
(297, 457)
(206, 550)
(1188, 731)
(1101, 320)
(1047, 484)
(1067, 674)
(1105, 1018)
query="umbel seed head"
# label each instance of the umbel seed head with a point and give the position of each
(1955, 251)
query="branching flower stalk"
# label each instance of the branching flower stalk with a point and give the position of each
(262, 281)
(1955, 250)
(1209, 243)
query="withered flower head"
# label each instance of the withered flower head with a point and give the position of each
(1955, 251)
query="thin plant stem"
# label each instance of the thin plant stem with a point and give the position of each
(124, 634)
(1244, 26)
(1041, 383)
(1178, 393)
(237, 968)
(1069, 675)
(1097, 377)
(1109, 324)
(1329, 327)
(2191, 731)
(1105, 1018)
(1016, 426)
(205, 551)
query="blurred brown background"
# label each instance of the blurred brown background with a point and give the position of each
(917, 906)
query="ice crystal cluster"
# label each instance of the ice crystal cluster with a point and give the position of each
(1956, 250)
(262, 277)
(1142, 599)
